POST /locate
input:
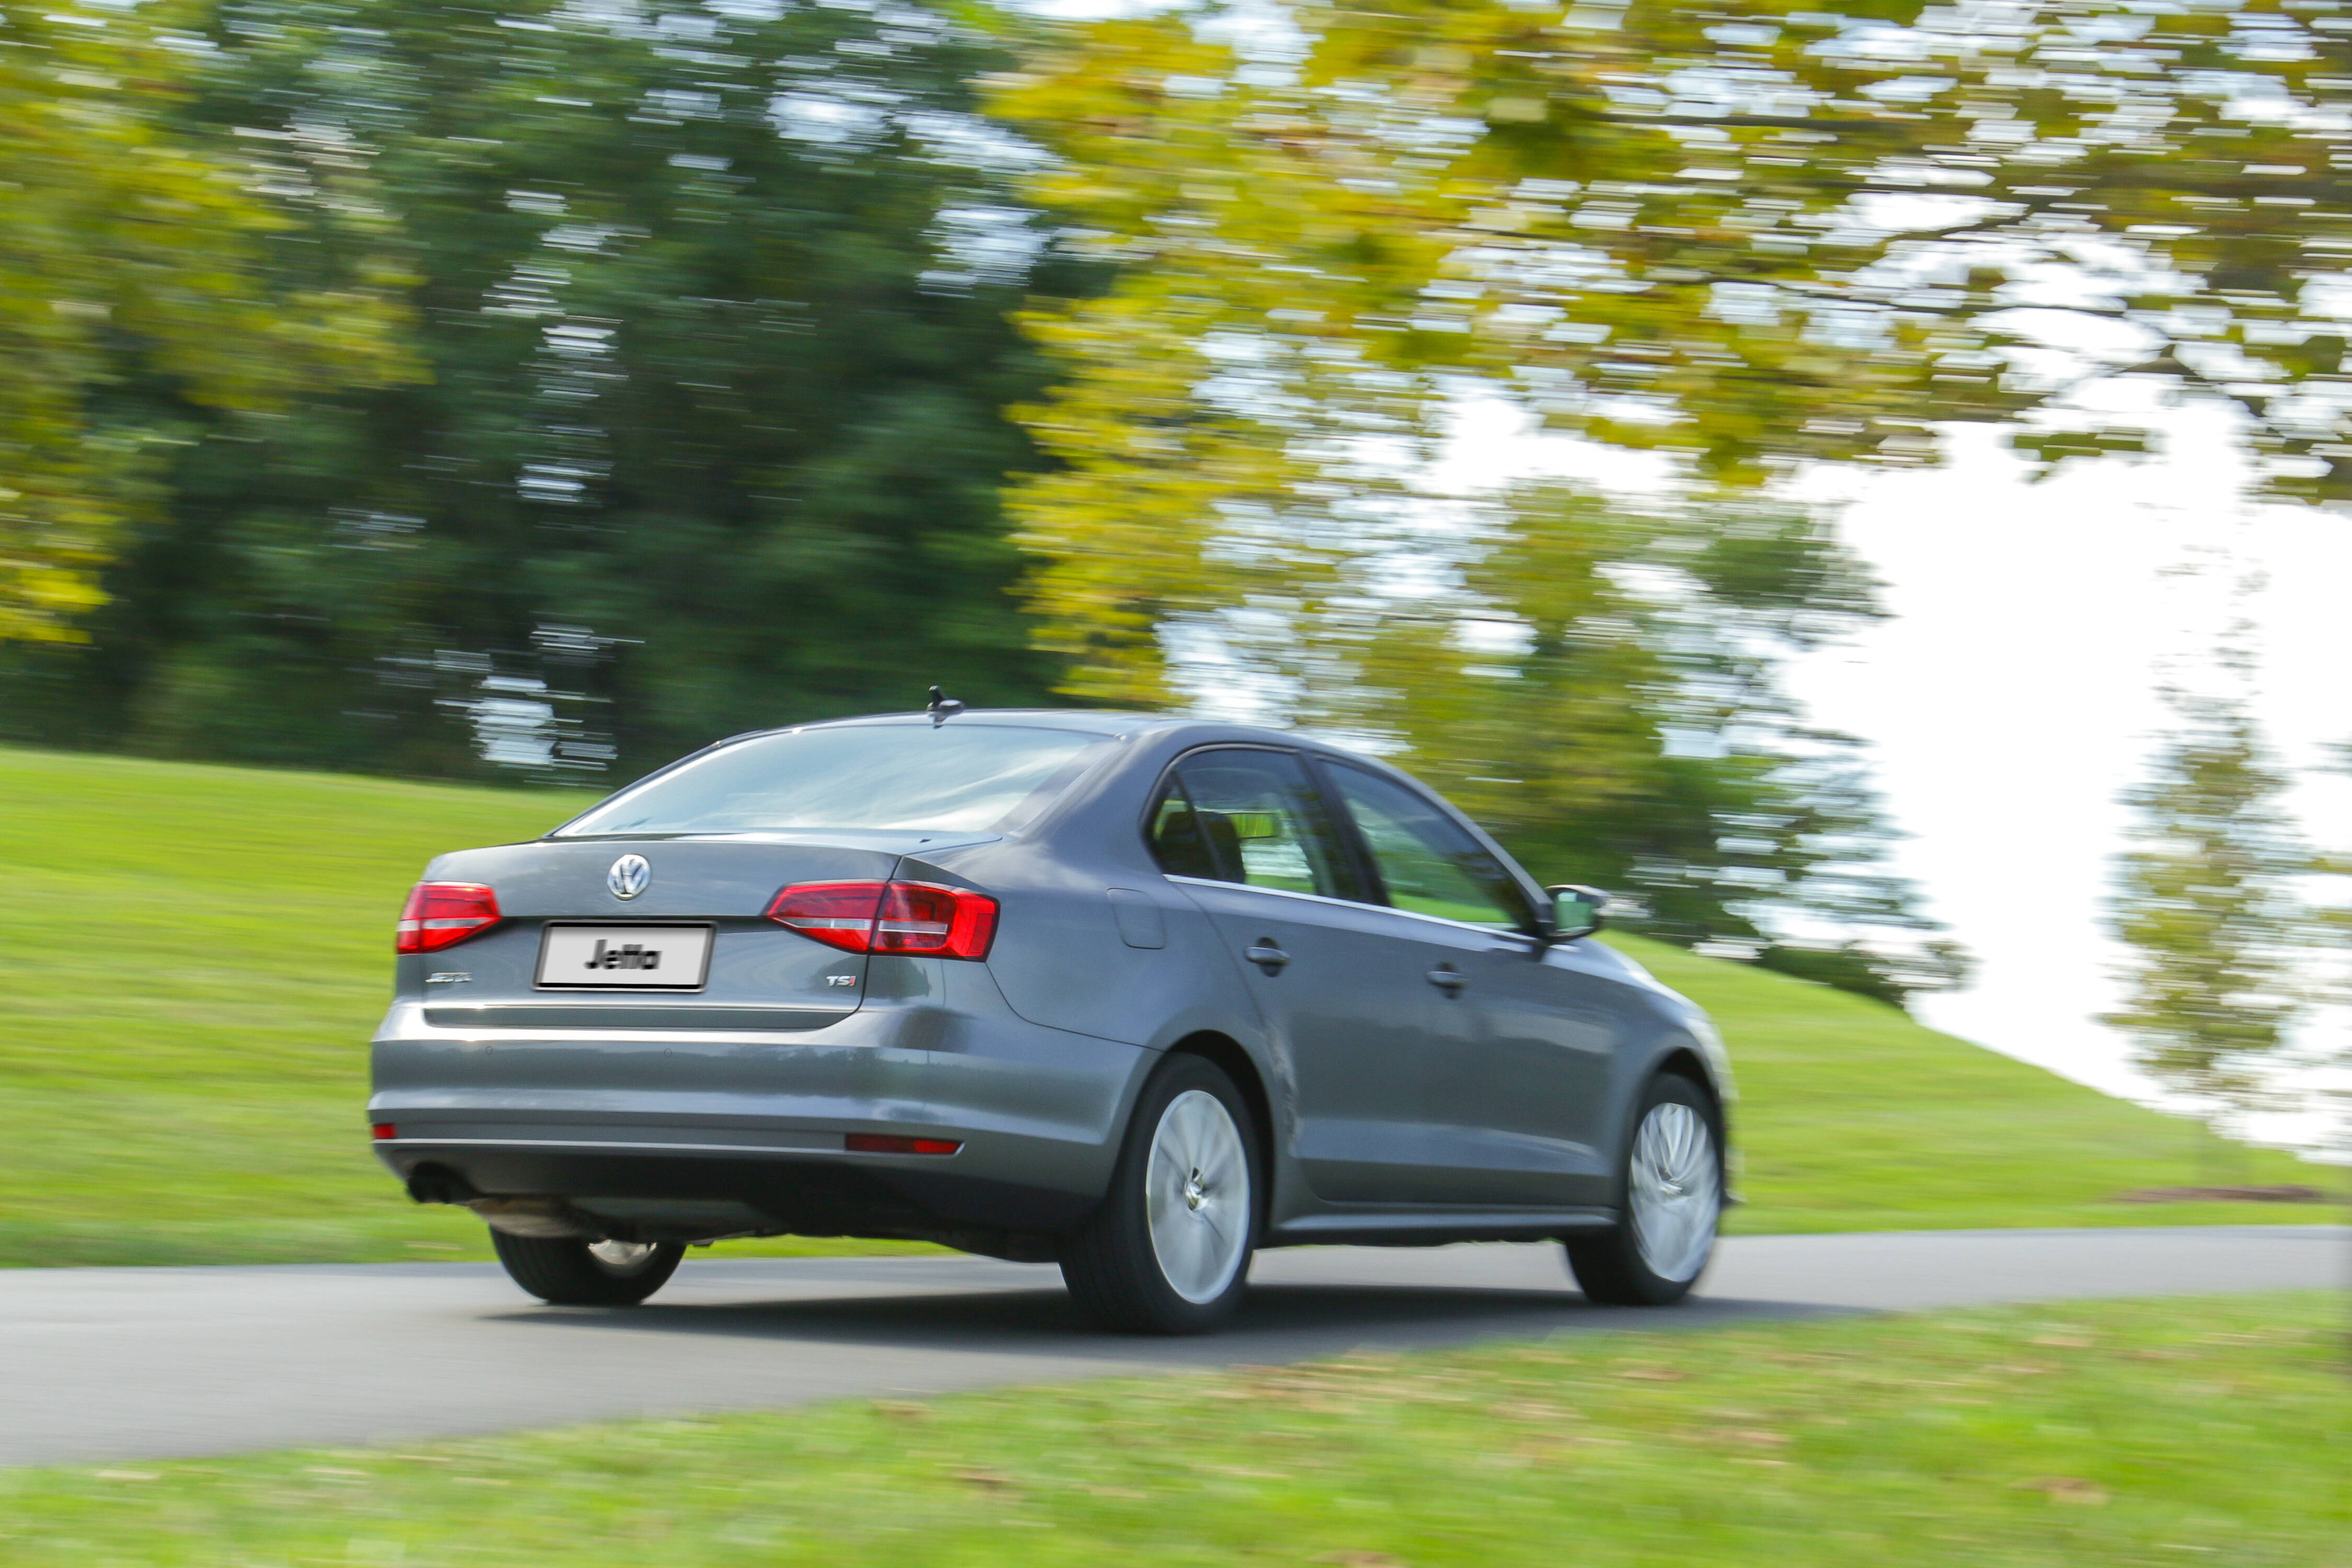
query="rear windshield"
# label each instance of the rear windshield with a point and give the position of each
(958, 778)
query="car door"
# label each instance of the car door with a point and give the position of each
(1517, 1098)
(1338, 981)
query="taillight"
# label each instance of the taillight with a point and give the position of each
(443, 914)
(914, 918)
(922, 917)
(838, 914)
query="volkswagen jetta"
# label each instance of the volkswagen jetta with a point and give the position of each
(1135, 995)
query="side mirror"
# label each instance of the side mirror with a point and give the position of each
(1576, 911)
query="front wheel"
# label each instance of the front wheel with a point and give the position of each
(1672, 1188)
(1169, 1250)
(568, 1272)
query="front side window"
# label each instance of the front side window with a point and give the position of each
(1236, 815)
(955, 778)
(1428, 863)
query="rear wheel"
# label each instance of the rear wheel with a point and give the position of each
(1671, 1187)
(569, 1272)
(1169, 1250)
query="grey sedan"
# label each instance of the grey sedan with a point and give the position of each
(1135, 995)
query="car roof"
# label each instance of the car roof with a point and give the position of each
(1085, 721)
(1109, 722)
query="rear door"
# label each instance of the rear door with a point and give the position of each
(1340, 981)
(1515, 1097)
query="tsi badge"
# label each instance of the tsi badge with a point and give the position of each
(629, 877)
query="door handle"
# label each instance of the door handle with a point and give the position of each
(1267, 956)
(1448, 979)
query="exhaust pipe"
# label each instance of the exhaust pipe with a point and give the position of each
(439, 1184)
(548, 1218)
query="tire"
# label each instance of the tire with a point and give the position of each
(1670, 1186)
(568, 1272)
(1169, 1250)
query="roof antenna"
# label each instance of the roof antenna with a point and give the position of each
(943, 707)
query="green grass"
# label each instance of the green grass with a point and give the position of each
(196, 956)
(1851, 1117)
(2147, 1432)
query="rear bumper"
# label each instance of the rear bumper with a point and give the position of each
(670, 1135)
(622, 1192)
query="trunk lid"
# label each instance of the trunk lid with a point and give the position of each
(758, 975)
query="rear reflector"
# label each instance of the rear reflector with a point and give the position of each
(386, 1129)
(881, 1144)
(913, 918)
(443, 914)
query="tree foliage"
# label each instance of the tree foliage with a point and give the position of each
(129, 249)
(713, 301)
(1748, 236)
(2207, 901)
(1598, 684)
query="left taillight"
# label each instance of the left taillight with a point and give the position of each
(443, 914)
(917, 918)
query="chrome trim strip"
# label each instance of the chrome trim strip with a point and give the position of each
(630, 1037)
(618, 1016)
(1515, 936)
(834, 1148)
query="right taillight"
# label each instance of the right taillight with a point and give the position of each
(923, 919)
(443, 914)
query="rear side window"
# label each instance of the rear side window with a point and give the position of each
(956, 778)
(1428, 863)
(1178, 842)
(1250, 816)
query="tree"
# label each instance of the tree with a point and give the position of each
(1597, 684)
(1751, 237)
(2208, 903)
(131, 249)
(2332, 928)
(714, 301)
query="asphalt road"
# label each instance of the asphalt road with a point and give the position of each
(118, 1363)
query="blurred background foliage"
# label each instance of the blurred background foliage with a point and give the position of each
(710, 307)
(127, 238)
(543, 389)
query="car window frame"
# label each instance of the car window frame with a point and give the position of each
(1369, 866)
(1344, 840)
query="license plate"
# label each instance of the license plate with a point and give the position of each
(624, 958)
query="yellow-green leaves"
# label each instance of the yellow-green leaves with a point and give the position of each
(1747, 236)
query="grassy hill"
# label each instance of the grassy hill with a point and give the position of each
(195, 956)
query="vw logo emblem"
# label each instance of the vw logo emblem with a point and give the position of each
(629, 877)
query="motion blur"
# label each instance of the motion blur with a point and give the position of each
(403, 395)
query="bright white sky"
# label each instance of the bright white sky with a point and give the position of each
(2012, 699)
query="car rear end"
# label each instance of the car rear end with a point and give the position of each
(664, 1035)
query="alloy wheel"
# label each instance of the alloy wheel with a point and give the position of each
(1197, 1196)
(621, 1257)
(1675, 1189)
